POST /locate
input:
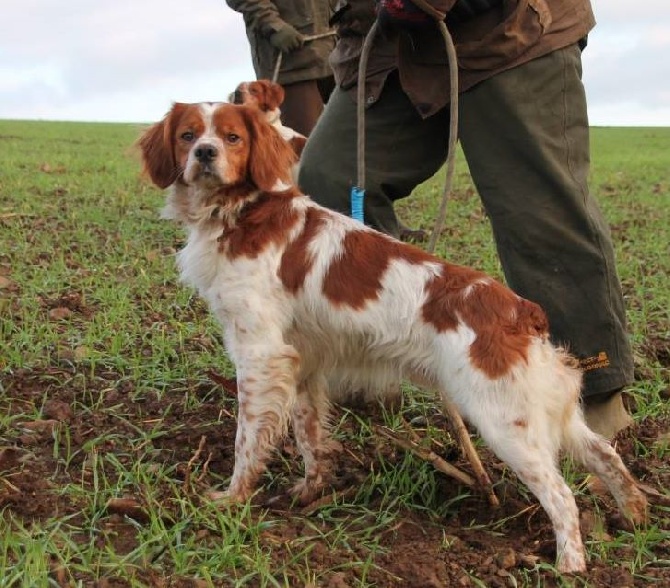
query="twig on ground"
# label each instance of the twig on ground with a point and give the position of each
(463, 438)
(229, 385)
(128, 507)
(189, 465)
(205, 467)
(427, 455)
(328, 500)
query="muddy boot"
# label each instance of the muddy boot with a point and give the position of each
(609, 417)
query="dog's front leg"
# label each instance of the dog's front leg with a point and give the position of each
(266, 385)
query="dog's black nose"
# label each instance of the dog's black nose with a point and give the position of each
(238, 97)
(206, 153)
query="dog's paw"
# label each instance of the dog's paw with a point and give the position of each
(636, 509)
(331, 447)
(307, 491)
(224, 498)
(571, 563)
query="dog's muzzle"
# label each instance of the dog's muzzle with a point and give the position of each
(237, 97)
(205, 153)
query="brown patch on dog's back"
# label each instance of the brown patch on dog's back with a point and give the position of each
(297, 262)
(504, 324)
(354, 277)
(443, 292)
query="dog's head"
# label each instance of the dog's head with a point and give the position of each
(215, 145)
(264, 94)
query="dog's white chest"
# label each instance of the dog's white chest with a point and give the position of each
(199, 261)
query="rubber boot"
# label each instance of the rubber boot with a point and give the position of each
(609, 417)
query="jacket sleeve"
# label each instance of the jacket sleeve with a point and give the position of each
(260, 16)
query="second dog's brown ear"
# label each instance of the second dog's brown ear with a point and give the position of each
(276, 94)
(157, 147)
(270, 158)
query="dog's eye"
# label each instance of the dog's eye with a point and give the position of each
(232, 138)
(188, 136)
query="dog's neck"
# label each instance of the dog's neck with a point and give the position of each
(197, 207)
(274, 117)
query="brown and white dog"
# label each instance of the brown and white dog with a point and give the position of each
(303, 292)
(268, 96)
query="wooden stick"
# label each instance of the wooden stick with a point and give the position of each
(427, 455)
(327, 500)
(189, 466)
(463, 437)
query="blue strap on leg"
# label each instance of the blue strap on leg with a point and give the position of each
(357, 196)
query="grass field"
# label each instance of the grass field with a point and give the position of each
(114, 419)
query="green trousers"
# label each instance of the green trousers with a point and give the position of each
(525, 136)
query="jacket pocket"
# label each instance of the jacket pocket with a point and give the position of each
(522, 28)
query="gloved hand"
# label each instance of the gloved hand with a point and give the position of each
(394, 14)
(287, 39)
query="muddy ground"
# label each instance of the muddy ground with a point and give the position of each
(415, 556)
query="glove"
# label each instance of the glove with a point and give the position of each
(287, 39)
(395, 14)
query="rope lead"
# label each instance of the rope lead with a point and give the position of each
(358, 191)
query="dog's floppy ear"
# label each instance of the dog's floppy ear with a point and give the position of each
(275, 94)
(270, 157)
(156, 145)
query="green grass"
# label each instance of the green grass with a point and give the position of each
(80, 230)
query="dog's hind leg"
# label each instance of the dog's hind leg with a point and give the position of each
(520, 418)
(523, 443)
(310, 427)
(600, 458)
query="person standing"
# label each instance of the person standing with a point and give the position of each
(524, 130)
(298, 31)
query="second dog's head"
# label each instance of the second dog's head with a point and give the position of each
(264, 94)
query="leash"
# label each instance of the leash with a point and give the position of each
(458, 427)
(307, 39)
(358, 191)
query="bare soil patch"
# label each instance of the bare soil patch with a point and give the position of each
(420, 549)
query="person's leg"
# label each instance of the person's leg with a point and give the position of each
(302, 106)
(525, 137)
(326, 87)
(402, 150)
